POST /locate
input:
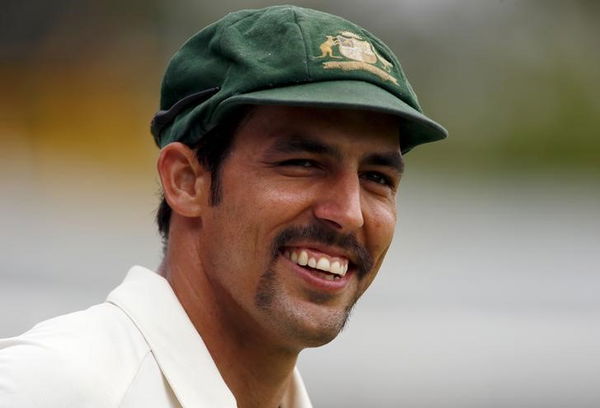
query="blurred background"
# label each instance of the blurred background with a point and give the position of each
(489, 297)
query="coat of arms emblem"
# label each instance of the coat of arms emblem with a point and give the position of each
(359, 54)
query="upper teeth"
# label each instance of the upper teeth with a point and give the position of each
(301, 257)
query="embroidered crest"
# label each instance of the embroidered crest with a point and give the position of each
(358, 53)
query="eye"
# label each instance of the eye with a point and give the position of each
(304, 163)
(379, 178)
(300, 167)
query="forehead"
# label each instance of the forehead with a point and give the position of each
(355, 130)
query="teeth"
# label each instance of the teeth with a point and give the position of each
(337, 268)
(303, 258)
(324, 265)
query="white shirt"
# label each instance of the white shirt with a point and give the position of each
(138, 349)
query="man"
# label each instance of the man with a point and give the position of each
(282, 132)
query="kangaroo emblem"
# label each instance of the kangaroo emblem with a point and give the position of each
(327, 47)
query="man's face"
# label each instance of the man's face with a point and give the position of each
(304, 191)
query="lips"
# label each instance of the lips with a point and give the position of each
(326, 247)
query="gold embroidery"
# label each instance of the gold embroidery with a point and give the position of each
(362, 54)
(356, 49)
(327, 47)
(351, 35)
(354, 65)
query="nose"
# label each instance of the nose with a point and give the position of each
(339, 204)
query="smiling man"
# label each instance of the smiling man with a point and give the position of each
(282, 132)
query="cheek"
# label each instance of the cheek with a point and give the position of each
(278, 202)
(380, 226)
(254, 213)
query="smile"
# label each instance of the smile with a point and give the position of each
(336, 267)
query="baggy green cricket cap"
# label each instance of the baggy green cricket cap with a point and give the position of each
(284, 55)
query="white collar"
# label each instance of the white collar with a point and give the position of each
(149, 301)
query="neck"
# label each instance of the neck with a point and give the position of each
(257, 371)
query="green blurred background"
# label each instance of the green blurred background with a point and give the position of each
(490, 294)
(516, 83)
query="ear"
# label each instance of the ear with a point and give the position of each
(185, 181)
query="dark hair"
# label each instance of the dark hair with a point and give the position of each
(211, 151)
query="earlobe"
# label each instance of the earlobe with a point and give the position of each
(183, 178)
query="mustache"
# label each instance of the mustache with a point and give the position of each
(323, 235)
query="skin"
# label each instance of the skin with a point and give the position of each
(253, 309)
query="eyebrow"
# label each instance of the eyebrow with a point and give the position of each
(387, 159)
(304, 144)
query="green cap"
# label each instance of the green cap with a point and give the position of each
(284, 55)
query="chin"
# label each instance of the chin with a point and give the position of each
(318, 339)
(300, 319)
(313, 328)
